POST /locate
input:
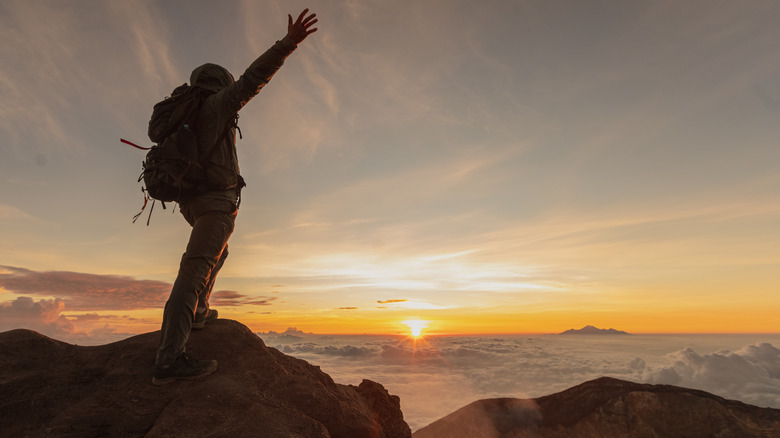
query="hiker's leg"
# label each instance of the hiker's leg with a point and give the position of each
(203, 297)
(210, 232)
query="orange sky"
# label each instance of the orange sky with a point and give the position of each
(525, 168)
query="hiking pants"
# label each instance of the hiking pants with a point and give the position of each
(212, 222)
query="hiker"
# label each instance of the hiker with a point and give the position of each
(212, 213)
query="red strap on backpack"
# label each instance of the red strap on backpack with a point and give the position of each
(133, 144)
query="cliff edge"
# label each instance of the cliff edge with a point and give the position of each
(54, 389)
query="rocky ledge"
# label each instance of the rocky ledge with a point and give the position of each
(54, 389)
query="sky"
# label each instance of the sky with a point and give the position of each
(482, 167)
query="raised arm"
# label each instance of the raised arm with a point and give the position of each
(263, 68)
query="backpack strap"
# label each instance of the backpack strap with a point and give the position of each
(221, 138)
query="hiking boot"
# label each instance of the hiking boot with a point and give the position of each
(201, 319)
(185, 367)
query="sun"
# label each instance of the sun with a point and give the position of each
(416, 326)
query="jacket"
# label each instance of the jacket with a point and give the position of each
(221, 108)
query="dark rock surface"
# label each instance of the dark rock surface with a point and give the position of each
(54, 389)
(608, 407)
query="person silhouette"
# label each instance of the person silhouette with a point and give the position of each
(212, 213)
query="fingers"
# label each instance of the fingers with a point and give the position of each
(300, 17)
(305, 21)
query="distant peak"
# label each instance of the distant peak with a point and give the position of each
(592, 330)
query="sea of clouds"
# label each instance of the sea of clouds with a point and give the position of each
(435, 376)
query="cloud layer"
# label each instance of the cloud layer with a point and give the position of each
(438, 375)
(750, 374)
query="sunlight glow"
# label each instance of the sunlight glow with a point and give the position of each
(416, 326)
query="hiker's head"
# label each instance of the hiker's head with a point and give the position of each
(211, 77)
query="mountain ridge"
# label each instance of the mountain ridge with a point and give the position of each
(607, 407)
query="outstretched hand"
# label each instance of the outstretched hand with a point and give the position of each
(299, 30)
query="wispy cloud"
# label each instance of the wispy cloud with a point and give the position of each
(92, 292)
(234, 299)
(37, 67)
(72, 64)
(149, 43)
(85, 292)
(9, 212)
(413, 305)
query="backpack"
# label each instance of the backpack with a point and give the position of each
(173, 169)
